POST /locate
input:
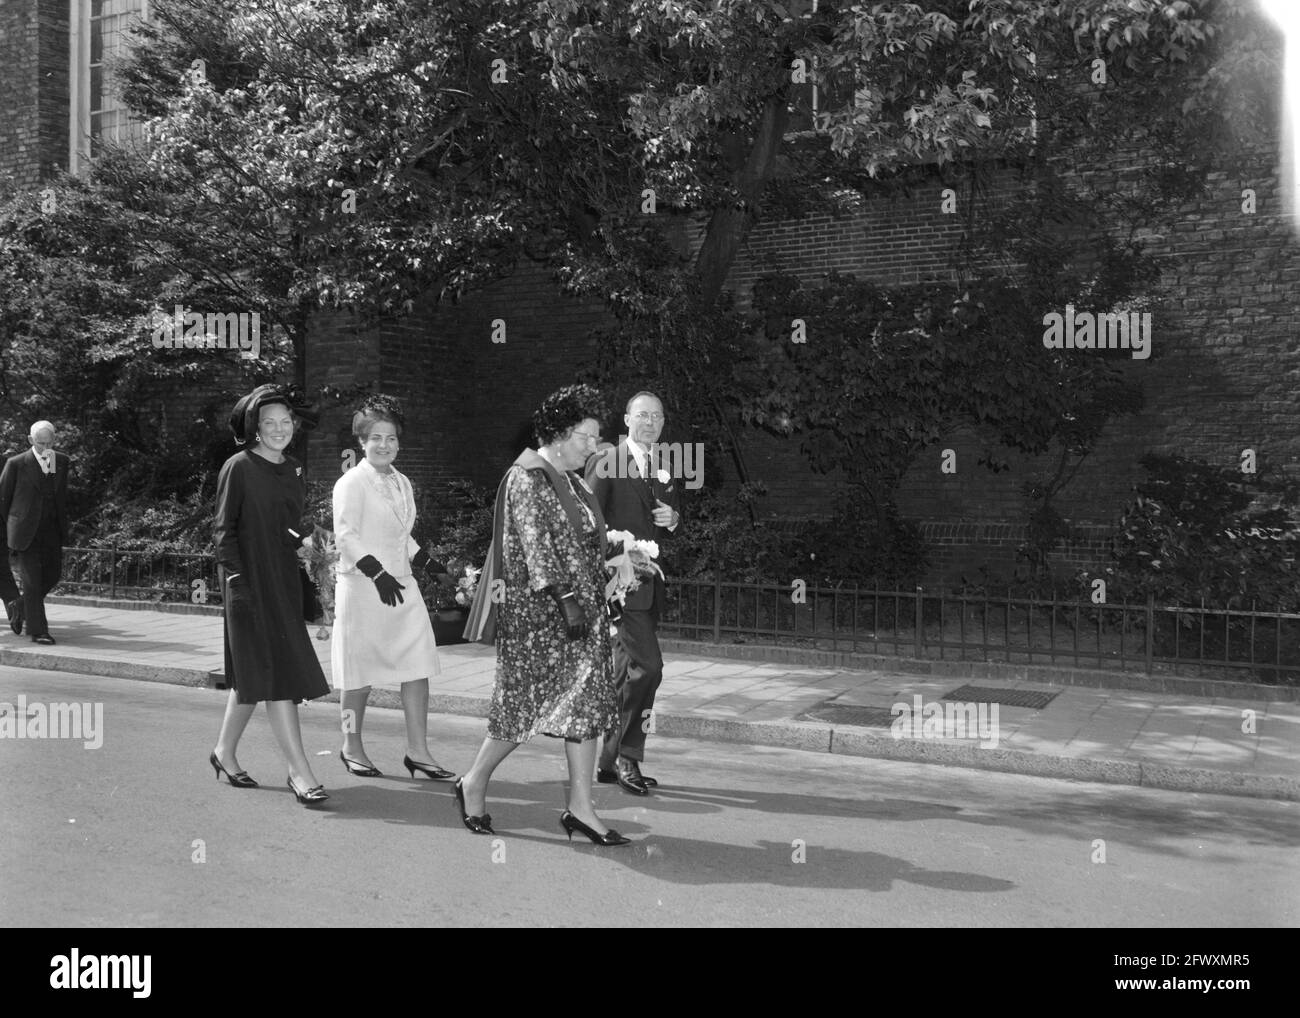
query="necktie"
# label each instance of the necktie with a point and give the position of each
(645, 475)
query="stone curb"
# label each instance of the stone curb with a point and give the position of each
(106, 667)
(812, 736)
(167, 607)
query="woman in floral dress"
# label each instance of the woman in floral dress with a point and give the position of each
(544, 588)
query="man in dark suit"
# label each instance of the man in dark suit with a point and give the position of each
(637, 495)
(34, 507)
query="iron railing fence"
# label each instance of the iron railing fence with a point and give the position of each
(1250, 645)
(1246, 644)
(141, 575)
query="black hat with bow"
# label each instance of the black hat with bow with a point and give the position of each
(244, 417)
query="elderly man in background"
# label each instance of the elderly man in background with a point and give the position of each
(34, 507)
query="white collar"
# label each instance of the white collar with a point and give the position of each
(393, 472)
(639, 451)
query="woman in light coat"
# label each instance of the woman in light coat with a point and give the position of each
(382, 631)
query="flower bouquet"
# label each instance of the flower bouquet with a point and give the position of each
(631, 562)
(467, 586)
(455, 588)
(449, 600)
(319, 556)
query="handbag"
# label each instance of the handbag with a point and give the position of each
(481, 626)
(312, 609)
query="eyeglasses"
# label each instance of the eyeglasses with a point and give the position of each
(587, 435)
(643, 417)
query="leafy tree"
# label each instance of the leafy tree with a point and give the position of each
(75, 348)
(1201, 535)
(305, 156)
(1198, 532)
(709, 86)
(910, 96)
(469, 131)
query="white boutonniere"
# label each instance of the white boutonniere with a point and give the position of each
(297, 471)
(664, 476)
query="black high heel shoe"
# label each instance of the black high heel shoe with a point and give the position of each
(239, 779)
(312, 797)
(479, 825)
(432, 773)
(357, 769)
(570, 823)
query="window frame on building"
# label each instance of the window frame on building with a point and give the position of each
(94, 112)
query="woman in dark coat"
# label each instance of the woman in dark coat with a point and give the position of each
(554, 673)
(269, 656)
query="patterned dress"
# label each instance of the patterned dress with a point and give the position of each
(546, 683)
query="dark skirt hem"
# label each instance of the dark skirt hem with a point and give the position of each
(227, 684)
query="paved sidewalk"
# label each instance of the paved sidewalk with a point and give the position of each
(1182, 743)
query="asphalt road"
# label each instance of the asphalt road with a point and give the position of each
(138, 833)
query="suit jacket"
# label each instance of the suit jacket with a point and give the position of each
(615, 477)
(365, 522)
(20, 498)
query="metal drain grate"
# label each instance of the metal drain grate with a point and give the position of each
(1031, 698)
(844, 714)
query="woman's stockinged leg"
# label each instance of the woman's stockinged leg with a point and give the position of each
(582, 762)
(415, 707)
(232, 728)
(284, 725)
(475, 780)
(352, 712)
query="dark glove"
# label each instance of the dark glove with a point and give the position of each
(422, 560)
(575, 619)
(387, 586)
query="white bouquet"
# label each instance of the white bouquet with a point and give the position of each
(629, 565)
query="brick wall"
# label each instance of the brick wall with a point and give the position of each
(340, 353)
(966, 553)
(468, 400)
(1222, 376)
(901, 238)
(33, 90)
